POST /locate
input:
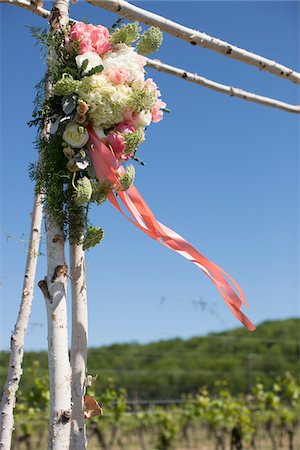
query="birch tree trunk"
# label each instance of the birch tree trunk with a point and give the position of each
(79, 344)
(54, 290)
(17, 338)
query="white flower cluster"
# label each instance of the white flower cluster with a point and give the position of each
(107, 102)
(126, 58)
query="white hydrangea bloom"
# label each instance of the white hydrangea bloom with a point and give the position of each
(124, 57)
(107, 102)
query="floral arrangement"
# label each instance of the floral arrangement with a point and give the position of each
(98, 80)
(98, 110)
(111, 94)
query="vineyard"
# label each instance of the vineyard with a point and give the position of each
(256, 406)
(262, 419)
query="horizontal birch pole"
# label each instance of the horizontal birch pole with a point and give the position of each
(223, 88)
(195, 37)
(188, 76)
(30, 7)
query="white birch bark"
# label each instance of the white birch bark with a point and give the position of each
(188, 76)
(54, 290)
(222, 88)
(79, 345)
(26, 4)
(17, 338)
(195, 37)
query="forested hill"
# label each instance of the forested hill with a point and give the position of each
(167, 369)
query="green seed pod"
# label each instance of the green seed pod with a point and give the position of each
(66, 85)
(133, 140)
(127, 179)
(83, 192)
(141, 100)
(126, 34)
(150, 41)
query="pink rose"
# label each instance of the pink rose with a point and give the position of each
(100, 39)
(77, 31)
(91, 38)
(117, 76)
(85, 46)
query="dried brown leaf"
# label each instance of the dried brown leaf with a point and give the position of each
(92, 407)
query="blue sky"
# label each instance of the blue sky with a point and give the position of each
(220, 171)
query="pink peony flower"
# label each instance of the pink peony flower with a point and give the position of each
(91, 38)
(100, 39)
(85, 45)
(117, 76)
(156, 112)
(77, 30)
(117, 140)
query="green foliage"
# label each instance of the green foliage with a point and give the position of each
(96, 69)
(127, 33)
(150, 41)
(171, 368)
(93, 236)
(271, 413)
(166, 422)
(51, 177)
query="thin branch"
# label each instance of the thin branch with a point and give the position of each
(18, 336)
(195, 37)
(223, 88)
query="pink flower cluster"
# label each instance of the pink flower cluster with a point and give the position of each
(91, 38)
(116, 138)
(157, 113)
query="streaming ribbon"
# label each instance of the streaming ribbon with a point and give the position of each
(107, 167)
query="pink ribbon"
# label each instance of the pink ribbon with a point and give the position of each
(107, 167)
